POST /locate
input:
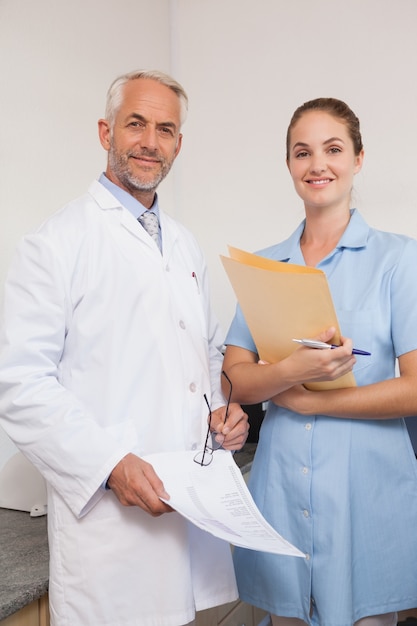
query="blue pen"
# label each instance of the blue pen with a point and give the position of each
(321, 345)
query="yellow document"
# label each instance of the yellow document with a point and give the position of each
(282, 302)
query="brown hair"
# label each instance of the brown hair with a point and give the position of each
(334, 107)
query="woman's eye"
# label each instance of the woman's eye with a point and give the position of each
(301, 155)
(335, 150)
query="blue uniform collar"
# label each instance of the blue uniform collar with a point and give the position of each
(355, 236)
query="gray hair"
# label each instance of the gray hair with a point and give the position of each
(115, 92)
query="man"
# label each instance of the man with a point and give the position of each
(108, 347)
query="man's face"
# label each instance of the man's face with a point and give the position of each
(144, 139)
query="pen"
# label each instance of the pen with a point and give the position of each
(321, 345)
(194, 275)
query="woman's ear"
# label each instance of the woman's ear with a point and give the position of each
(359, 161)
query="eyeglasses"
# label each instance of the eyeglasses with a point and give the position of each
(205, 456)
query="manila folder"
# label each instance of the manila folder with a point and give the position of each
(281, 302)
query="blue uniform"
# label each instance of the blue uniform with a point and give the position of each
(343, 491)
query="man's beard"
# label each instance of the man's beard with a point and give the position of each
(120, 166)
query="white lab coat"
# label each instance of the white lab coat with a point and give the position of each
(105, 350)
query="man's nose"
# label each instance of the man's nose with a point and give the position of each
(149, 137)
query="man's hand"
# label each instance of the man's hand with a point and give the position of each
(232, 433)
(135, 483)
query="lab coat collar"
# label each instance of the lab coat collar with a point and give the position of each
(106, 201)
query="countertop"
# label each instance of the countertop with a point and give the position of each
(24, 554)
(24, 557)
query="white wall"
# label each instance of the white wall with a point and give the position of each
(57, 60)
(246, 66)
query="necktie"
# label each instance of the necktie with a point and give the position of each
(150, 223)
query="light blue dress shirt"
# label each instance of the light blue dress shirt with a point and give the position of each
(343, 491)
(129, 202)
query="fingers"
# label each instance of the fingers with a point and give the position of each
(232, 432)
(329, 333)
(312, 365)
(326, 335)
(347, 343)
(135, 483)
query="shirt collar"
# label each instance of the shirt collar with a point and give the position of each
(355, 236)
(357, 232)
(126, 199)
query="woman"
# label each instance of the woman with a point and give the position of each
(334, 471)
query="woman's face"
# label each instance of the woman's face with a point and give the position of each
(322, 161)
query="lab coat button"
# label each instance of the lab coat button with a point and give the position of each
(182, 324)
(194, 446)
(193, 387)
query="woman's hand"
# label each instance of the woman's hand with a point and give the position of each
(253, 382)
(297, 399)
(313, 365)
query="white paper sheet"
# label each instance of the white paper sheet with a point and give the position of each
(215, 498)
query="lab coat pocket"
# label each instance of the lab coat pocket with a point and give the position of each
(198, 304)
(187, 292)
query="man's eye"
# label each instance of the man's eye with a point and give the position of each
(166, 130)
